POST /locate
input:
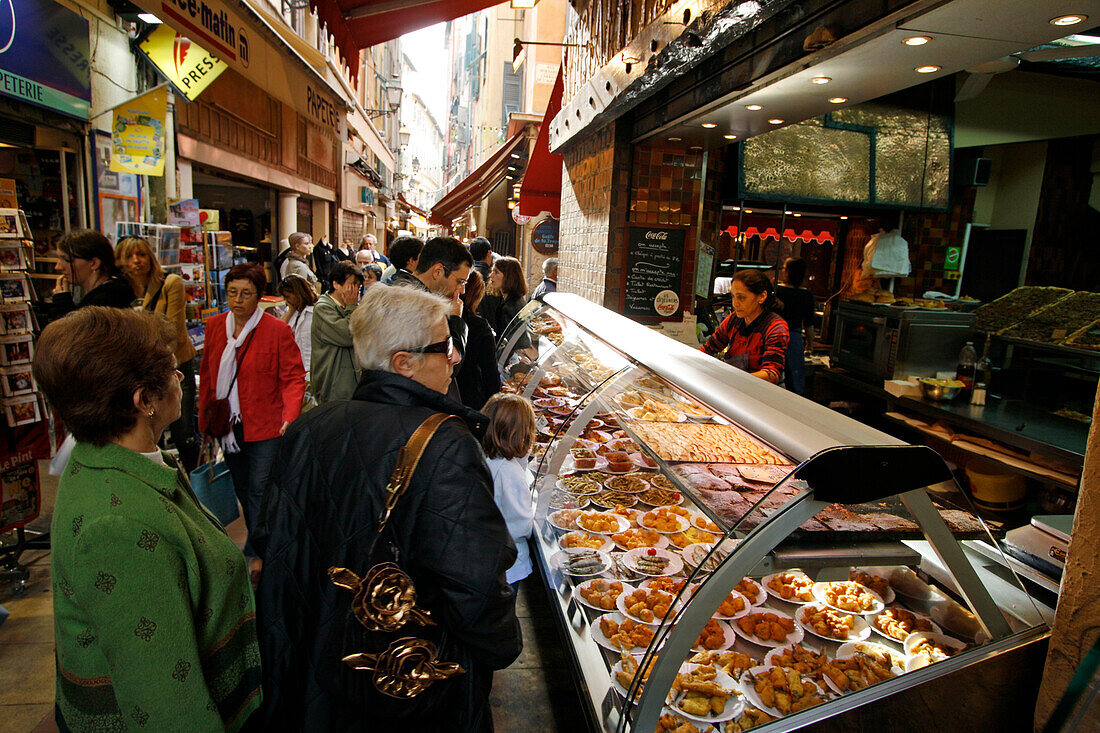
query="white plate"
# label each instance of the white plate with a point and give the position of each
(557, 519)
(606, 546)
(636, 412)
(889, 596)
(743, 612)
(675, 562)
(877, 630)
(627, 588)
(864, 647)
(635, 515)
(655, 506)
(617, 667)
(632, 472)
(819, 593)
(597, 634)
(860, 628)
(639, 461)
(649, 582)
(562, 487)
(735, 705)
(662, 542)
(792, 638)
(624, 523)
(610, 470)
(748, 687)
(684, 523)
(761, 595)
(558, 560)
(696, 516)
(726, 645)
(620, 603)
(775, 594)
(915, 661)
(568, 466)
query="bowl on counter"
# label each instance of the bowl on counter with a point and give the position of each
(937, 392)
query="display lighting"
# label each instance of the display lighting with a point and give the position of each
(796, 215)
(843, 217)
(820, 80)
(730, 137)
(917, 40)
(928, 69)
(1073, 19)
(675, 139)
(754, 107)
(788, 213)
(838, 100)
(710, 125)
(775, 121)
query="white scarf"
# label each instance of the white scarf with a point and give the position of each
(227, 368)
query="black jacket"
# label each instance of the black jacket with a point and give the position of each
(115, 292)
(323, 501)
(478, 377)
(500, 311)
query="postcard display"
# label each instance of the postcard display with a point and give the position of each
(721, 550)
(23, 405)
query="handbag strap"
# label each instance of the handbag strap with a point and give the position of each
(240, 360)
(407, 459)
(152, 304)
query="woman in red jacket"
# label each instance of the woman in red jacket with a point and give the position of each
(250, 358)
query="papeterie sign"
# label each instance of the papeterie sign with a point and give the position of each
(187, 65)
(44, 56)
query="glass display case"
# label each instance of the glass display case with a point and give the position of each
(723, 554)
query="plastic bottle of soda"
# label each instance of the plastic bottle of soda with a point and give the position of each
(968, 357)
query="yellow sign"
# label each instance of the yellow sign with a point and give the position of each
(187, 65)
(137, 134)
(8, 199)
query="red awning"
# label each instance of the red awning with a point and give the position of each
(359, 24)
(541, 189)
(477, 185)
(411, 207)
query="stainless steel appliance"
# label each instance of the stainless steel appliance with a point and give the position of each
(886, 342)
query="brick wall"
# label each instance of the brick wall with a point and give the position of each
(929, 235)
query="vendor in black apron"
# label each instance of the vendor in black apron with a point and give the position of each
(753, 336)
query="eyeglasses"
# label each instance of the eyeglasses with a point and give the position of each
(239, 294)
(447, 273)
(446, 346)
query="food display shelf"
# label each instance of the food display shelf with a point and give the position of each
(855, 481)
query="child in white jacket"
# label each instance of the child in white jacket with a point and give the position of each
(507, 442)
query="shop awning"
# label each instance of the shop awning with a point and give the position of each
(478, 184)
(403, 203)
(359, 24)
(541, 189)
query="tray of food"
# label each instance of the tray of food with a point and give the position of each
(793, 586)
(691, 536)
(612, 500)
(706, 694)
(855, 672)
(651, 561)
(657, 496)
(580, 538)
(731, 662)
(780, 691)
(765, 627)
(600, 593)
(716, 635)
(664, 583)
(884, 655)
(634, 538)
(848, 596)
(1059, 320)
(927, 647)
(582, 484)
(733, 607)
(581, 562)
(634, 483)
(704, 442)
(896, 623)
(618, 633)
(666, 519)
(646, 605)
(602, 522)
(830, 624)
(1014, 307)
(806, 661)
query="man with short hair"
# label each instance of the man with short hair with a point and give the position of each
(369, 241)
(549, 282)
(364, 257)
(404, 252)
(334, 373)
(482, 252)
(442, 269)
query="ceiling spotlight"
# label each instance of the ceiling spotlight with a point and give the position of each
(775, 121)
(753, 107)
(838, 100)
(730, 137)
(696, 147)
(917, 40)
(748, 211)
(929, 69)
(843, 217)
(736, 208)
(675, 139)
(1069, 19)
(820, 80)
(796, 215)
(710, 125)
(788, 213)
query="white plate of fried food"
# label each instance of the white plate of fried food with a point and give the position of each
(716, 636)
(564, 519)
(848, 596)
(780, 691)
(896, 623)
(881, 653)
(855, 672)
(877, 583)
(602, 522)
(653, 562)
(636, 537)
(581, 562)
(600, 593)
(580, 538)
(706, 694)
(623, 673)
(664, 583)
(616, 632)
(765, 627)
(666, 519)
(753, 590)
(751, 717)
(795, 656)
(926, 648)
(832, 625)
(646, 605)
(734, 606)
(792, 586)
(728, 661)
(670, 722)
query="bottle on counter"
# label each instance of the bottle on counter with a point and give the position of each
(983, 374)
(964, 372)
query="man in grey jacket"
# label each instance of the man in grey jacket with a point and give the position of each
(334, 373)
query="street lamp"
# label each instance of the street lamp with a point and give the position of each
(403, 136)
(393, 101)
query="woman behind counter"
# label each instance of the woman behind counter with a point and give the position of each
(89, 274)
(154, 620)
(755, 336)
(164, 293)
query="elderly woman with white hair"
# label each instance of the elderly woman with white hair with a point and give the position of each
(327, 492)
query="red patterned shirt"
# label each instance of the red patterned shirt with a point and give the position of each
(763, 343)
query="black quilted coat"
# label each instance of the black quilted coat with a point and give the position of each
(323, 502)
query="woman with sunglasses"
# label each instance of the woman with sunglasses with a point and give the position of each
(451, 539)
(89, 274)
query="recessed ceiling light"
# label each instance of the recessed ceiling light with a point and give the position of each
(788, 213)
(710, 125)
(797, 215)
(917, 40)
(1069, 19)
(748, 211)
(753, 107)
(928, 69)
(843, 217)
(838, 100)
(696, 147)
(736, 208)
(820, 80)
(730, 137)
(675, 139)
(775, 121)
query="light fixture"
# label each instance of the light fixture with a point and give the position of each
(519, 51)
(838, 100)
(696, 147)
(748, 211)
(403, 136)
(736, 208)
(843, 217)
(820, 80)
(1073, 19)
(730, 137)
(675, 139)
(796, 215)
(775, 121)
(149, 18)
(710, 125)
(522, 4)
(927, 69)
(753, 107)
(917, 40)
(515, 155)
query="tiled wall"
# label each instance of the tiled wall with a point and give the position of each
(929, 235)
(1065, 246)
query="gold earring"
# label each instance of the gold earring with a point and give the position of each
(152, 411)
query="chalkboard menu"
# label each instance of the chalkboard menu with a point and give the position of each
(654, 270)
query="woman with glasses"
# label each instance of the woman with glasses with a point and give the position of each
(89, 274)
(164, 293)
(451, 539)
(249, 358)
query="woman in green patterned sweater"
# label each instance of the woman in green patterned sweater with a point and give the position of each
(154, 619)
